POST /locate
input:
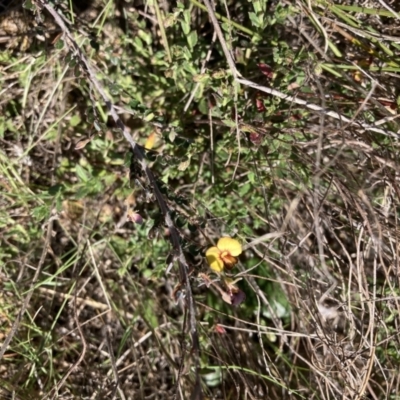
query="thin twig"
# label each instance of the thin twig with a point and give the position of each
(222, 41)
(317, 108)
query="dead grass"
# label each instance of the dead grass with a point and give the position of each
(87, 309)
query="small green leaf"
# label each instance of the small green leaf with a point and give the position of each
(59, 205)
(60, 44)
(41, 212)
(185, 27)
(180, 221)
(229, 122)
(192, 39)
(254, 19)
(149, 117)
(220, 73)
(184, 165)
(186, 16)
(82, 192)
(201, 78)
(114, 60)
(146, 37)
(138, 43)
(28, 5)
(172, 136)
(97, 126)
(55, 190)
(75, 120)
(81, 173)
(73, 62)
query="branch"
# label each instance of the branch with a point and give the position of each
(140, 156)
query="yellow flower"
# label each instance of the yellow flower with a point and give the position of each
(224, 254)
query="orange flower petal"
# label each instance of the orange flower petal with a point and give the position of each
(228, 260)
(230, 245)
(213, 256)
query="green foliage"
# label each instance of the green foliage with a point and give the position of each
(228, 160)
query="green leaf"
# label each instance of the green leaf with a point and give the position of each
(185, 27)
(138, 43)
(254, 19)
(149, 117)
(186, 16)
(192, 39)
(145, 36)
(82, 192)
(115, 60)
(60, 44)
(41, 212)
(201, 78)
(28, 5)
(75, 120)
(81, 173)
(55, 190)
